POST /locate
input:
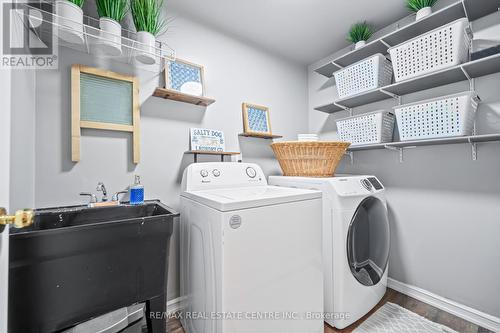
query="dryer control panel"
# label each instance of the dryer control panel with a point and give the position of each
(376, 184)
(371, 184)
(343, 185)
(204, 176)
(356, 185)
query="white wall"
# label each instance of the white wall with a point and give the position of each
(235, 73)
(5, 100)
(444, 208)
(22, 159)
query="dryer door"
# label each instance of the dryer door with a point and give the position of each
(368, 241)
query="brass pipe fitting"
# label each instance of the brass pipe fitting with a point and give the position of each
(22, 218)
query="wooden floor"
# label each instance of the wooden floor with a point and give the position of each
(420, 308)
(425, 310)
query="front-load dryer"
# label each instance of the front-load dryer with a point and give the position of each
(356, 242)
(251, 256)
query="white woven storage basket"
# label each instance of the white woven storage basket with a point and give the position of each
(373, 127)
(441, 48)
(441, 117)
(365, 75)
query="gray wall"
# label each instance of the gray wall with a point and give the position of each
(5, 116)
(444, 208)
(22, 155)
(235, 73)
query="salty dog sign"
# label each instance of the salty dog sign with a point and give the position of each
(207, 140)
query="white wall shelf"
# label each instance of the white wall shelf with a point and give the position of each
(478, 8)
(472, 9)
(430, 142)
(470, 70)
(92, 36)
(400, 146)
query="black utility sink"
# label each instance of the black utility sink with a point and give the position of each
(76, 263)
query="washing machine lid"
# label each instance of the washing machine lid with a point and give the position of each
(229, 199)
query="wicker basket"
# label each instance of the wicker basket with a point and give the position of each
(309, 159)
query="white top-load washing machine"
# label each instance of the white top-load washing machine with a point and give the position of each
(251, 256)
(356, 242)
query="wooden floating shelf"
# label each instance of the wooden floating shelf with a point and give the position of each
(261, 136)
(217, 153)
(471, 69)
(182, 97)
(473, 9)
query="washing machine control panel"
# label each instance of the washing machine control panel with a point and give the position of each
(199, 176)
(251, 172)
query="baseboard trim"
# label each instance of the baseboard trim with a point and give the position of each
(474, 316)
(175, 305)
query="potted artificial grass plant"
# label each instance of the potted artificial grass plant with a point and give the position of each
(423, 8)
(148, 23)
(359, 34)
(70, 20)
(111, 13)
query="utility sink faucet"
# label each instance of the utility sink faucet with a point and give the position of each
(94, 202)
(102, 188)
(116, 196)
(92, 196)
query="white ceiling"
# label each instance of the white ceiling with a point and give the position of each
(301, 30)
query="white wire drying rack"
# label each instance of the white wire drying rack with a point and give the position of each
(92, 36)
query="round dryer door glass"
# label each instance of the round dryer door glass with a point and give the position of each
(368, 241)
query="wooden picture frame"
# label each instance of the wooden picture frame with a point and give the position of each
(188, 67)
(132, 125)
(256, 119)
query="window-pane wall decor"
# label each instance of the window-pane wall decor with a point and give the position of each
(103, 100)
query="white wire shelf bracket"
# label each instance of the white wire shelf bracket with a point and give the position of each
(93, 37)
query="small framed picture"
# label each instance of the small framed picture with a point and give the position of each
(204, 139)
(185, 77)
(256, 119)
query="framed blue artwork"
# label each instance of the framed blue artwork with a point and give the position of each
(185, 77)
(256, 119)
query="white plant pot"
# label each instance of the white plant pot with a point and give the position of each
(359, 44)
(70, 22)
(426, 11)
(147, 46)
(110, 41)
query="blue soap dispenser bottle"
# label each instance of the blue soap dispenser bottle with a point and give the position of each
(136, 192)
